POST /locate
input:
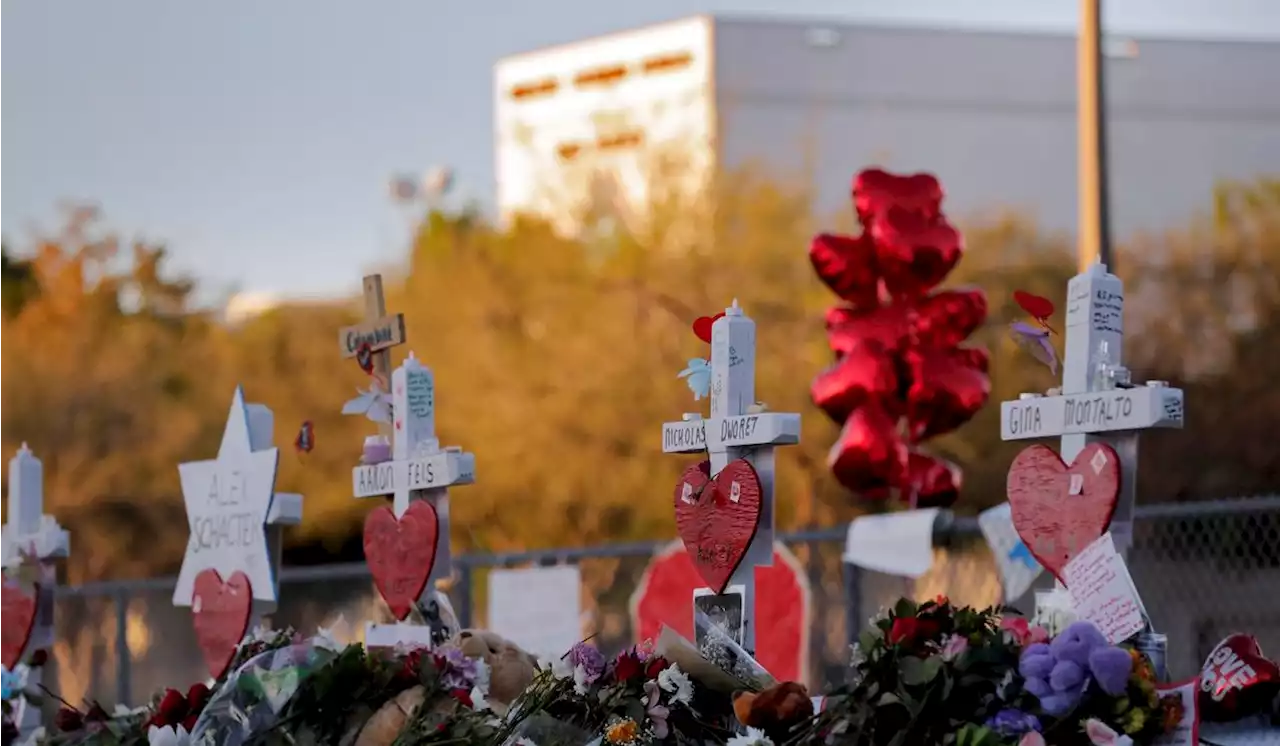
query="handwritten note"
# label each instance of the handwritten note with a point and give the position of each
(1187, 731)
(1102, 591)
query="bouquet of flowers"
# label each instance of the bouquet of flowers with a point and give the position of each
(636, 698)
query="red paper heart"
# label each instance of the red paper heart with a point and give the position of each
(847, 265)
(220, 612)
(1059, 510)
(914, 252)
(400, 553)
(876, 191)
(702, 326)
(19, 619)
(717, 518)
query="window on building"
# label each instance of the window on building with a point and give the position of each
(666, 63)
(601, 76)
(535, 89)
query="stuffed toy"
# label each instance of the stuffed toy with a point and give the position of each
(390, 719)
(775, 710)
(1058, 673)
(511, 669)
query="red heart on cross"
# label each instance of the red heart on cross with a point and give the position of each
(220, 612)
(702, 326)
(717, 518)
(19, 619)
(1059, 510)
(400, 553)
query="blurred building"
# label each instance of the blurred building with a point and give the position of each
(993, 114)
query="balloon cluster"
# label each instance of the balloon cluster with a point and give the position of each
(901, 375)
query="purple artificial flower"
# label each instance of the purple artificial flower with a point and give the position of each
(459, 672)
(589, 658)
(1012, 723)
(657, 712)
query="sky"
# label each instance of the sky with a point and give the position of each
(256, 139)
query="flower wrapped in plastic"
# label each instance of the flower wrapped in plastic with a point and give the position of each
(251, 700)
(718, 647)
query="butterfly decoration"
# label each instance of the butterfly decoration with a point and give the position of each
(698, 377)
(11, 682)
(373, 403)
(1035, 342)
(306, 439)
(1037, 307)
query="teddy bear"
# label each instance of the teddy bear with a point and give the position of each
(775, 710)
(1057, 673)
(511, 669)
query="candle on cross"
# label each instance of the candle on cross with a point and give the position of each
(418, 470)
(736, 429)
(1097, 402)
(30, 536)
(230, 572)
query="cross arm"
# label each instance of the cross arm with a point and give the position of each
(742, 431)
(449, 468)
(1140, 408)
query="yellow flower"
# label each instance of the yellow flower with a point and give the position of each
(622, 732)
(1134, 721)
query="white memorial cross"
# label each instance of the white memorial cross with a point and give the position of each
(737, 430)
(32, 536)
(419, 469)
(1096, 402)
(236, 517)
(378, 330)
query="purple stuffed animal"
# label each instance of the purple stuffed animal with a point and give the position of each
(1058, 673)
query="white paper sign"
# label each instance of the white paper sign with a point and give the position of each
(1018, 569)
(538, 608)
(1102, 591)
(1187, 731)
(897, 543)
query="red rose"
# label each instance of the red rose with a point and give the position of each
(655, 667)
(189, 722)
(463, 696)
(626, 668)
(197, 697)
(172, 708)
(904, 630)
(96, 714)
(927, 629)
(68, 720)
(39, 658)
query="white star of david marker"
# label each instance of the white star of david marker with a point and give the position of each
(228, 501)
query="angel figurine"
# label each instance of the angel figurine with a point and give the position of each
(373, 403)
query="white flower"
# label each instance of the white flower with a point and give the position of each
(561, 668)
(752, 737)
(122, 711)
(581, 680)
(168, 736)
(324, 637)
(478, 701)
(677, 682)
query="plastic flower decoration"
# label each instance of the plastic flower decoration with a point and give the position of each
(698, 377)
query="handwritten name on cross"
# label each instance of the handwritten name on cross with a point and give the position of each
(418, 470)
(378, 330)
(235, 516)
(733, 431)
(31, 536)
(1096, 403)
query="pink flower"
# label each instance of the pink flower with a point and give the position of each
(1032, 738)
(954, 647)
(1021, 633)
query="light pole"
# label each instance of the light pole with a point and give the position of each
(1091, 125)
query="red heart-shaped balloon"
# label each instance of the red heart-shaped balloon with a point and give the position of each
(914, 252)
(886, 327)
(976, 358)
(1237, 680)
(220, 612)
(702, 326)
(717, 518)
(932, 482)
(876, 191)
(869, 455)
(847, 265)
(1059, 510)
(945, 392)
(19, 618)
(947, 318)
(863, 374)
(400, 553)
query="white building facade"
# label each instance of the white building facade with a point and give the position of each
(993, 114)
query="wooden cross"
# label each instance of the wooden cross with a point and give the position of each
(379, 331)
(736, 431)
(32, 536)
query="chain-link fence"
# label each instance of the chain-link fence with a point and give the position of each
(1204, 570)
